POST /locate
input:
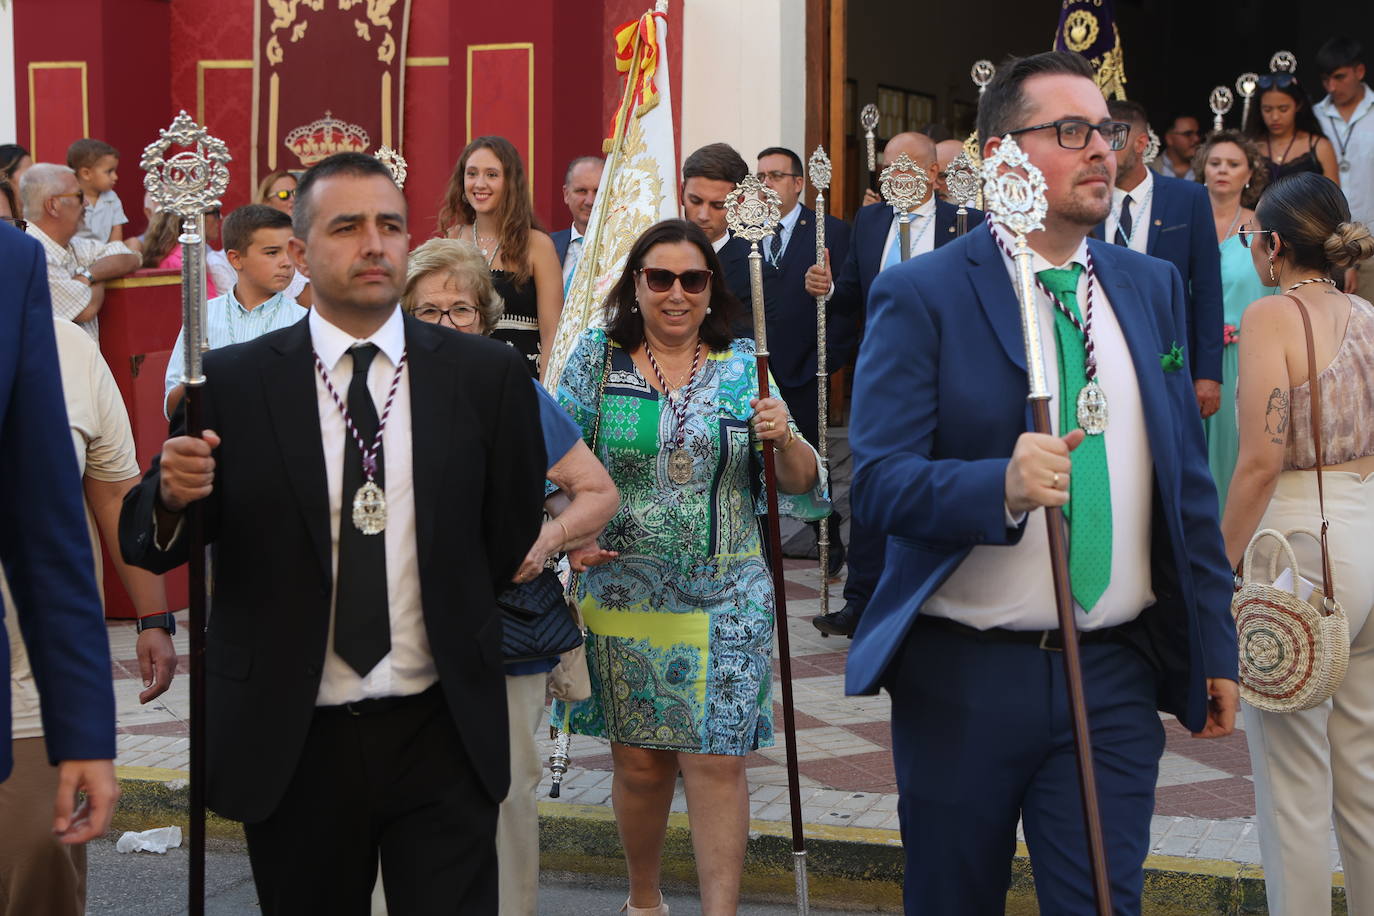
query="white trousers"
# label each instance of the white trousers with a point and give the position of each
(1311, 765)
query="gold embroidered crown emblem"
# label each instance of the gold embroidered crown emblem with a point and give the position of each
(325, 137)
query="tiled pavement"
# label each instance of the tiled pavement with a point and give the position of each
(1204, 806)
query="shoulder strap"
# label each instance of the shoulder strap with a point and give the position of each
(1314, 389)
(601, 394)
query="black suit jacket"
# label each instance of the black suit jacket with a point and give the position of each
(478, 476)
(790, 310)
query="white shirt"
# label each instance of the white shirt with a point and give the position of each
(1011, 586)
(784, 231)
(70, 296)
(572, 255)
(1142, 207)
(409, 667)
(719, 243)
(1164, 166)
(921, 235)
(1354, 143)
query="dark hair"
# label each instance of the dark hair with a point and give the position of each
(1003, 105)
(1259, 172)
(240, 225)
(1303, 117)
(11, 154)
(1129, 110)
(515, 216)
(937, 132)
(1309, 212)
(715, 162)
(7, 191)
(784, 151)
(624, 323)
(1342, 51)
(1174, 118)
(359, 165)
(567, 176)
(86, 152)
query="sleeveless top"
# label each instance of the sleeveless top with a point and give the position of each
(1347, 400)
(519, 325)
(1307, 162)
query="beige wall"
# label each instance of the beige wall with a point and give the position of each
(8, 104)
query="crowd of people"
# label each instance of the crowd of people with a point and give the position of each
(382, 461)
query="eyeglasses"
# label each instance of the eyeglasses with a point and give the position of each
(460, 316)
(776, 175)
(1074, 133)
(660, 280)
(285, 194)
(1246, 233)
(1277, 80)
(16, 222)
(77, 195)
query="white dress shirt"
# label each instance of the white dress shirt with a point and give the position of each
(409, 667)
(719, 243)
(571, 256)
(1354, 143)
(1142, 208)
(1012, 586)
(921, 235)
(784, 230)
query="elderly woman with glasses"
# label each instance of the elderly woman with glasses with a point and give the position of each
(448, 284)
(680, 622)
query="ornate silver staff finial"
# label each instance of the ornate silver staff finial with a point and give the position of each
(1152, 148)
(818, 169)
(1246, 84)
(868, 119)
(1283, 62)
(904, 184)
(1220, 102)
(982, 73)
(961, 178)
(752, 210)
(395, 164)
(190, 182)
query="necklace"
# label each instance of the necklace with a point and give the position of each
(679, 459)
(488, 256)
(369, 502)
(1234, 223)
(915, 243)
(1310, 280)
(1269, 148)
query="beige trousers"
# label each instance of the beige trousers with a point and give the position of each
(1310, 766)
(38, 874)
(1366, 275)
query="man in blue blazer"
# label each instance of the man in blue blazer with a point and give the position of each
(1171, 219)
(47, 555)
(875, 248)
(580, 185)
(962, 629)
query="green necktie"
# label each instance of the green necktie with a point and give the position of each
(1089, 509)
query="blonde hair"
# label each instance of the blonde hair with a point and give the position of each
(464, 264)
(270, 179)
(1259, 171)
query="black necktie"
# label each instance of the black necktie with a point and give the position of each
(362, 623)
(1123, 225)
(775, 247)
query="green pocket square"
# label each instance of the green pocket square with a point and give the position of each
(1173, 360)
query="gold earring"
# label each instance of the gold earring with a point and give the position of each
(1271, 270)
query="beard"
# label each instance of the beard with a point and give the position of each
(1084, 205)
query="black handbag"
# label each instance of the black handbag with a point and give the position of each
(537, 621)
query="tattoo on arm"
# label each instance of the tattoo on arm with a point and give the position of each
(1276, 416)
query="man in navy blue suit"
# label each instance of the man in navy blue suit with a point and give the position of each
(1171, 219)
(790, 309)
(875, 248)
(580, 185)
(708, 177)
(47, 555)
(962, 629)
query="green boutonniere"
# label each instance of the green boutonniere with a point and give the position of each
(1173, 360)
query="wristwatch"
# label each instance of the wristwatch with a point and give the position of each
(163, 621)
(85, 272)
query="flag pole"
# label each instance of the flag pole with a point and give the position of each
(189, 184)
(1014, 191)
(818, 168)
(753, 214)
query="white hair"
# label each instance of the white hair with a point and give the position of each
(42, 181)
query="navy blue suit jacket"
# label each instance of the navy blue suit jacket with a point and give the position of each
(863, 263)
(561, 239)
(45, 546)
(734, 263)
(1182, 233)
(939, 401)
(790, 309)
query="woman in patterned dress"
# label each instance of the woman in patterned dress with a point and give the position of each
(680, 623)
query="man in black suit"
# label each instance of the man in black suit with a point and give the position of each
(875, 247)
(580, 185)
(790, 309)
(708, 177)
(355, 695)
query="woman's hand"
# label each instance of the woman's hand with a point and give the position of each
(770, 420)
(548, 544)
(584, 558)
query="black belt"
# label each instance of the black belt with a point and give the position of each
(378, 705)
(1050, 640)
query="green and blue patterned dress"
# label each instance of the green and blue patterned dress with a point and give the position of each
(680, 625)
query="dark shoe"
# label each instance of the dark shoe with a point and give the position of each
(837, 556)
(839, 623)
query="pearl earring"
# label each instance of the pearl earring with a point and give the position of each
(634, 309)
(708, 310)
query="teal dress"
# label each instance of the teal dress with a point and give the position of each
(1239, 287)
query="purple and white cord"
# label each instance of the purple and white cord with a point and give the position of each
(369, 453)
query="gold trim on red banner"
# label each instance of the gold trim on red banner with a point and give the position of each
(509, 46)
(85, 96)
(201, 67)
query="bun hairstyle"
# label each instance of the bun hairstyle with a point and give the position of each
(1309, 212)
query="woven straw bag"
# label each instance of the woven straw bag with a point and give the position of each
(1293, 655)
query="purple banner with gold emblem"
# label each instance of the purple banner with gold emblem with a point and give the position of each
(328, 78)
(1088, 27)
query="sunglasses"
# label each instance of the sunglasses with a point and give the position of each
(660, 280)
(1277, 81)
(1246, 233)
(285, 194)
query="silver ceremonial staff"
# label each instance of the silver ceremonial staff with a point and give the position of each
(189, 183)
(1246, 84)
(868, 119)
(904, 184)
(818, 168)
(961, 178)
(752, 213)
(1014, 191)
(395, 164)
(1220, 101)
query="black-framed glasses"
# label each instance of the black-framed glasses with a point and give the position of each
(661, 280)
(284, 194)
(1246, 233)
(775, 175)
(1074, 133)
(1277, 80)
(460, 316)
(20, 224)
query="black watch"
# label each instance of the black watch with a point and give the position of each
(164, 621)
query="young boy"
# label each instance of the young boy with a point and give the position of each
(255, 238)
(96, 164)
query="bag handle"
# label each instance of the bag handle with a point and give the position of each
(1314, 389)
(1248, 564)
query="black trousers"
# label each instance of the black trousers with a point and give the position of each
(801, 403)
(394, 781)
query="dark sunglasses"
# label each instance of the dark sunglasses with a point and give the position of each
(660, 280)
(1246, 233)
(1277, 80)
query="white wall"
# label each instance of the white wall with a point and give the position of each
(743, 74)
(8, 87)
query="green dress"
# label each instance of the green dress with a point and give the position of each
(680, 625)
(1239, 287)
